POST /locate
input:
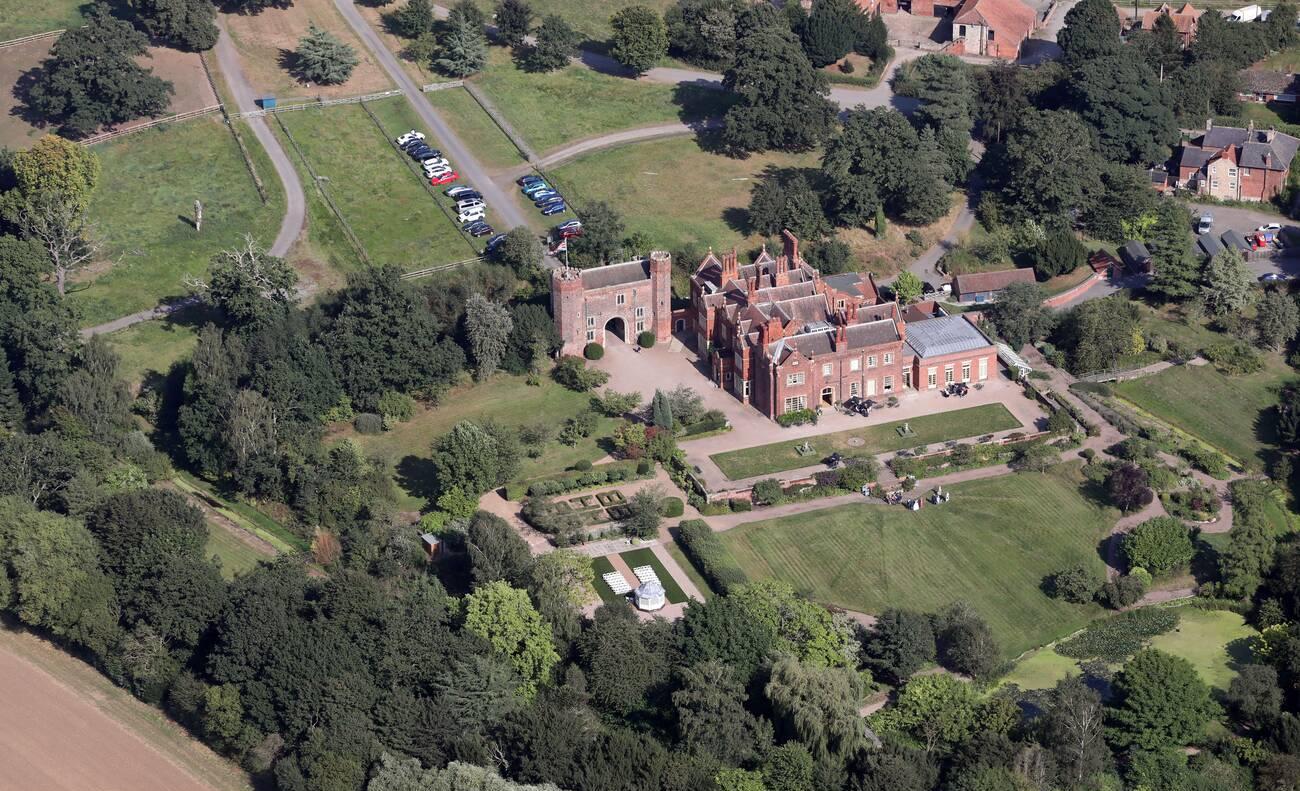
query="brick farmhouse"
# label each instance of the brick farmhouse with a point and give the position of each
(1231, 163)
(1185, 20)
(775, 333)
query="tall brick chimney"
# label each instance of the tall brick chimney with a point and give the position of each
(730, 267)
(661, 285)
(790, 248)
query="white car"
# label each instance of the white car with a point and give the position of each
(441, 170)
(472, 214)
(1271, 227)
(409, 136)
(470, 203)
(436, 165)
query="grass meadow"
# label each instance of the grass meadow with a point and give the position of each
(144, 204)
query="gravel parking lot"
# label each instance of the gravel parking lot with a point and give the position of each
(1245, 221)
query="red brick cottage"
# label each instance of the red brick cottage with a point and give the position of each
(1231, 163)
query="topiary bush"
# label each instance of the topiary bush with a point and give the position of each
(593, 351)
(582, 465)
(368, 423)
(646, 340)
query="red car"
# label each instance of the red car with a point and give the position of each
(445, 178)
(569, 233)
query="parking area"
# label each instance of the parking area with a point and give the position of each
(1246, 222)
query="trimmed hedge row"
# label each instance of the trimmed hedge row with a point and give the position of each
(706, 551)
(616, 472)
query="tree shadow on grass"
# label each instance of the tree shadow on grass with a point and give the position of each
(1241, 652)
(418, 476)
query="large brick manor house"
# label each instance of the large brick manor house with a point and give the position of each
(775, 333)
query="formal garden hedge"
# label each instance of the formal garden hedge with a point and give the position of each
(615, 472)
(1116, 639)
(707, 552)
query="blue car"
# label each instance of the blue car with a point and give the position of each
(554, 208)
(524, 181)
(536, 188)
(493, 242)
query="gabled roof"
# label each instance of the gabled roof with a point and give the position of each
(1268, 81)
(1209, 245)
(1184, 18)
(1233, 239)
(616, 274)
(1256, 146)
(991, 281)
(1006, 16)
(945, 335)
(872, 333)
(1134, 252)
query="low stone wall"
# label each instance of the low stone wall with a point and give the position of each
(1069, 294)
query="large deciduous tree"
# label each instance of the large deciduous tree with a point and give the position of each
(1129, 108)
(505, 617)
(54, 165)
(787, 202)
(187, 24)
(249, 285)
(1277, 319)
(1091, 31)
(1074, 730)
(818, 706)
(1159, 544)
(782, 98)
(640, 39)
(91, 79)
(554, 44)
(1049, 168)
(711, 718)
(1019, 315)
(1160, 702)
(475, 458)
(703, 32)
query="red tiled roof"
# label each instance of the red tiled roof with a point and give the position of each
(1008, 17)
(991, 281)
(1184, 18)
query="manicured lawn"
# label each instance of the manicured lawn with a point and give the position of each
(576, 102)
(152, 347)
(503, 398)
(674, 191)
(1041, 670)
(473, 125)
(20, 18)
(1232, 413)
(599, 568)
(143, 206)
(646, 557)
(929, 429)
(236, 556)
(1215, 642)
(377, 191)
(1167, 323)
(991, 546)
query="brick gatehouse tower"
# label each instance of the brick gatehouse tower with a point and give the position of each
(624, 299)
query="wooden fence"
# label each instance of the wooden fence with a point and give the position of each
(13, 42)
(288, 108)
(433, 270)
(103, 136)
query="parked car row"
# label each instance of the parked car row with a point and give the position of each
(471, 209)
(546, 198)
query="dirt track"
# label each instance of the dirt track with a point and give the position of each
(63, 727)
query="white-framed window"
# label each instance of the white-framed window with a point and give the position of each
(853, 388)
(746, 393)
(827, 369)
(931, 378)
(907, 377)
(591, 321)
(888, 359)
(855, 364)
(1214, 183)
(1245, 172)
(887, 384)
(1232, 171)
(591, 336)
(795, 402)
(871, 361)
(794, 379)
(947, 374)
(640, 311)
(839, 303)
(620, 299)
(965, 371)
(640, 326)
(984, 368)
